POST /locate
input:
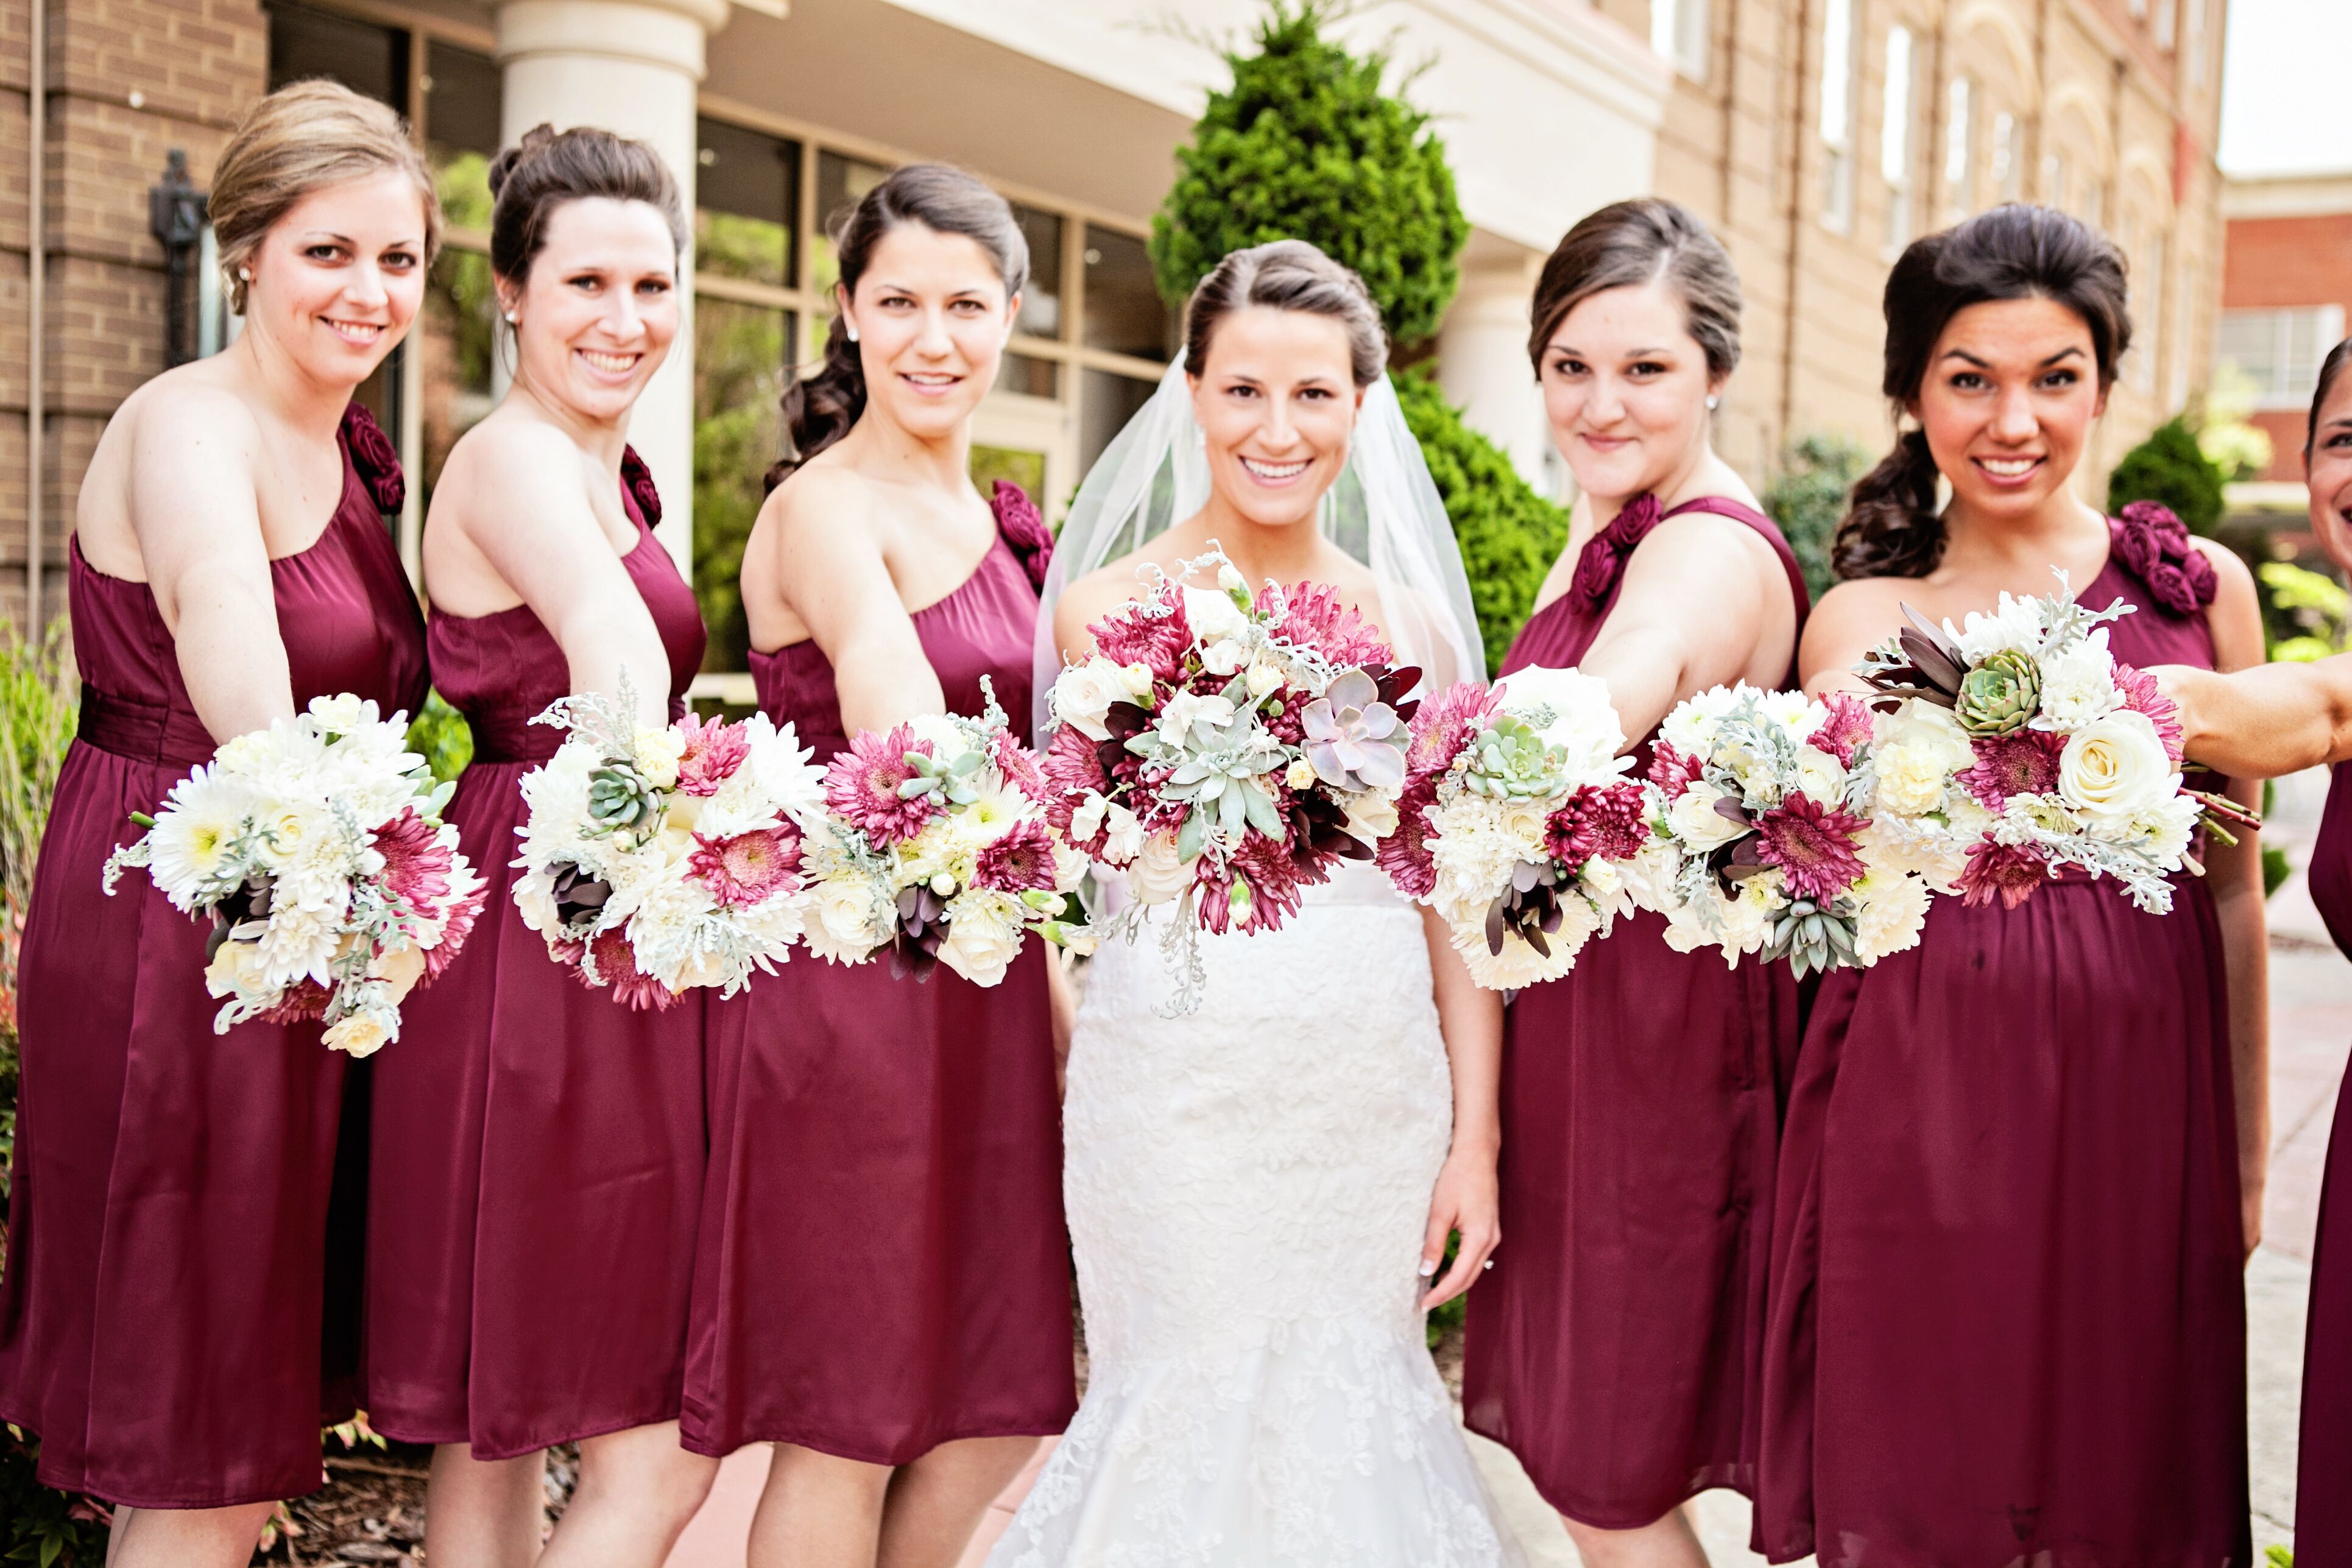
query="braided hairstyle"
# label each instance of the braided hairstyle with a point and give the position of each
(820, 410)
(1892, 526)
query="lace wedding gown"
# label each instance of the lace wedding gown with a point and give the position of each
(1247, 1188)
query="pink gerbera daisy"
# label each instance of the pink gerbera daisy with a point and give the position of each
(2009, 872)
(416, 864)
(861, 787)
(1021, 860)
(617, 964)
(2023, 761)
(745, 869)
(1598, 821)
(1670, 770)
(1814, 846)
(2143, 695)
(1019, 765)
(1846, 729)
(714, 750)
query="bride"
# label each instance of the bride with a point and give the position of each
(1260, 1191)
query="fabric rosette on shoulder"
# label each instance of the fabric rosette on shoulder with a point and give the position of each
(657, 861)
(1759, 802)
(2015, 744)
(1516, 824)
(936, 848)
(317, 849)
(1224, 750)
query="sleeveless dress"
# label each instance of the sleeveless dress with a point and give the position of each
(2323, 1520)
(2008, 1311)
(1614, 1346)
(882, 1266)
(169, 1296)
(539, 1146)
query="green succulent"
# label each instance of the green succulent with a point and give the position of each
(2000, 694)
(1811, 936)
(1509, 761)
(949, 780)
(620, 799)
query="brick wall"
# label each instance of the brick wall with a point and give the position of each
(2279, 263)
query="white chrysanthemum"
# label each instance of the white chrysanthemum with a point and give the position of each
(2018, 624)
(189, 845)
(2163, 831)
(1797, 714)
(1584, 723)
(1519, 966)
(1891, 912)
(2078, 684)
(1690, 729)
(1892, 846)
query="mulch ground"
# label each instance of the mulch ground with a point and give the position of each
(372, 1508)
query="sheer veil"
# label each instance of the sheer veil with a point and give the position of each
(1384, 510)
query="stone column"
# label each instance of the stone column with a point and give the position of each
(1482, 364)
(631, 67)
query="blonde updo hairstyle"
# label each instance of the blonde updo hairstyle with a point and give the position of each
(305, 137)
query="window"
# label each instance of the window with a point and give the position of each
(2193, 40)
(2009, 157)
(2094, 203)
(2280, 351)
(1678, 31)
(1894, 136)
(747, 205)
(1959, 149)
(1837, 112)
(2057, 180)
(2148, 305)
(2167, 11)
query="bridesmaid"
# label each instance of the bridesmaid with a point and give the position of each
(1612, 1346)
(2276, 720)
(161, 1322)
(539, 1146)
(2017, 1181)
(882, 1286)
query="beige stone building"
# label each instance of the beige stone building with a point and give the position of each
(1817, 135)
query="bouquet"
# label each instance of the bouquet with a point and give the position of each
(1224, 750)
(654, 860)
(1515, 823)
(2016, 744)
(935, 846)
(318, 848)
(1759, 802)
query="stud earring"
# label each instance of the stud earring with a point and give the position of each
(245, 274)
(513, 318)
(1711, 401)
(852, 331)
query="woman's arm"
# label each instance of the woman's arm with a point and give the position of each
(2271, 720)
(1851, 619)
(1689, 617)
(538, 531)
(1466, 1198)
(193, 507)
(833, 573)
(2235, 875)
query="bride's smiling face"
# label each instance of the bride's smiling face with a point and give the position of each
(1277, 401)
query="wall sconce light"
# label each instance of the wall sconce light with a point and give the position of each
(177, 215)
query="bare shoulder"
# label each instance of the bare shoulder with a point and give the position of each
(1850, 619)
(185, 423)
(1099, 592)
(527, 452)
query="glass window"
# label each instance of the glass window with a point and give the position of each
(2165, 12)
(369, 59)
(1959, 147)
(1895, 158)
(741, 355)
(1030, 376)
(2007, 157)
(461, 130)
(1040, 297)
(841, 181)
(1124, 312)
(1678, 31)
(2281, 350)
(1110, 400)
(747, 197)
(1837, 112)
(456, 343)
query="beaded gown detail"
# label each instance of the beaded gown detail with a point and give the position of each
(173, 1323)
(1614, 1345)
(883, 1266)
(2323, 1493)
(539, 1147)
(2007, 1308)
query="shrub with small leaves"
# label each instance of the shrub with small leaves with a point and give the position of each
(2170, 467)
(1808, 500)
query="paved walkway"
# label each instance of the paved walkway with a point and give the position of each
(2311, 1033)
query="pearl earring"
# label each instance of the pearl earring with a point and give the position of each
(1711, 401)
(852, 331)
(245, 274)
(513, 318)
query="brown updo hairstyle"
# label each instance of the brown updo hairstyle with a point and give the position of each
(1892, 526)
(2329, 369)
(820, 410)
(1286, 275)
(1631, 245)
(550, 167)
(305, 136)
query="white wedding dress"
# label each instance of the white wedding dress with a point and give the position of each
(1247, 1189)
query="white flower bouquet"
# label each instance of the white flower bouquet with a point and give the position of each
(2016, 744)
(317, 847)
(658, 860)
(936, 847)
(1515, 823)
(1758, 801)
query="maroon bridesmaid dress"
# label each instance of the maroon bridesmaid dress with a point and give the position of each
(2323, 1507)
(883, 1264)
(167, 1310)
(538, 1146)
(2007, 1303)
(1612, 1345)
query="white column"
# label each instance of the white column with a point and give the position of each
(631, 67)
(1482, 364)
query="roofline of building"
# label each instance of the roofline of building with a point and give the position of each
(2287, 195)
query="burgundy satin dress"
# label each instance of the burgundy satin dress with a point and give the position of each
(2007, 1303)
(166, 1324)
(1613, 1346)
(539, 1147)
(2323, 1493)
(883, 1264)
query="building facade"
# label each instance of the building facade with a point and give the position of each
(776, 112)
(2286, 296)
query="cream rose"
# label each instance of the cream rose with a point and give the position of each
(400, 968)
(1697, 823)
(657, 752)
(980, 944)
(1083, 694)
(1818, 775)
(1158, 874)
(2115, 766)
(359, 1034)
(236, 968)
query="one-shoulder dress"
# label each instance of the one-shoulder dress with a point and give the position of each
(2007, 1308)
(883, 1264)
(1613, 1347)
(539, 1146)
(167, 1323)
(2323, 1493)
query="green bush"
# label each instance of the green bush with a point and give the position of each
(440, 734)
(2310, 612)
(1808, 500)
(1508, 534)
(39, 701)
(44, 1528)
(1305, 145)
(2170, 467)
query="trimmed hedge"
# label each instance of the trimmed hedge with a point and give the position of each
(1808, 499)
(2170, 467)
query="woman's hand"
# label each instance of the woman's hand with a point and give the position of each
(1466, 1199)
